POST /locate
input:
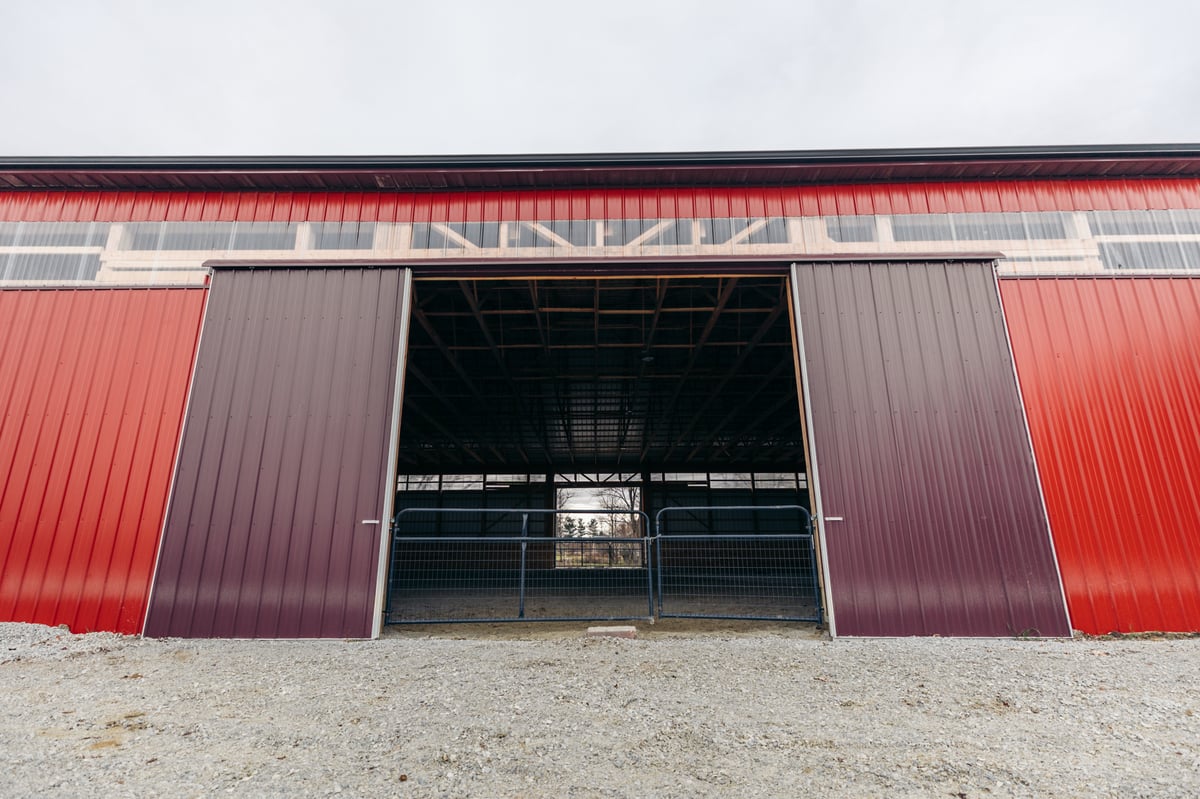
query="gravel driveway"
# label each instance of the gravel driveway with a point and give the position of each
(680, 712)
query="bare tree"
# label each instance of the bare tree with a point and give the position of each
(564, 524)
(622, 502)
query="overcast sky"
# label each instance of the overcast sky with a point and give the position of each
(301, 77)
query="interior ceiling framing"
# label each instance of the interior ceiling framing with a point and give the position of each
(617, 373)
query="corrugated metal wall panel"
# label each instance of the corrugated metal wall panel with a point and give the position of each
(921, 448)
(283, 456)
(93, 384)
(543, 205)
(1110, 373)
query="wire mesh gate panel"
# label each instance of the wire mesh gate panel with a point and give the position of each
(737, 562)
(507, 564)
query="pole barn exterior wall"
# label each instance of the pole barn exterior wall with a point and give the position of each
(1110, 372)
(920, 446)
(93, 384)
(284, 453)
(924, 197)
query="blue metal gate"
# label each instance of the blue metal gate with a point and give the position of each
(509, 564)
(737, 562)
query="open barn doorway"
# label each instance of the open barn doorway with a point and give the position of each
(602, 448)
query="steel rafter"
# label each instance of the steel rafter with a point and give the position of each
(567, 362)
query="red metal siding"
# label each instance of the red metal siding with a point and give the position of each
(283, 456)
(921, 448)
(1110, 373)
(646, 203)
(92, 389)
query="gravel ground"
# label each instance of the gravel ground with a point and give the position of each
(681, 712)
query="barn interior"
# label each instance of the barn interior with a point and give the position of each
(603, 400)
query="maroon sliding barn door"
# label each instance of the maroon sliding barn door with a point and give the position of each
(933, 520)
(285, 453)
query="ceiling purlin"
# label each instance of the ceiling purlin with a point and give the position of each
(739, 410)
(459, 444)
(644, 361)
(450, 357)
(468, 289)
(758, 336)
(727, 291)
(429, 329)
(430, 386)
(556, 382)
(596, 363)
(754, 424)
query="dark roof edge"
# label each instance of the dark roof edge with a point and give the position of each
(605, 160)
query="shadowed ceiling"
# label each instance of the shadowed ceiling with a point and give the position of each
(616, 373)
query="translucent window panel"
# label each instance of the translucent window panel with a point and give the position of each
(987, 227)
(1186, 221)
(851, 228)
(686, 477)
(777, 480)
(773, 232)
(455, 235)
(479, 234)
(922, 227)
(210, 236)
(343, 235)
(723, 480)
(561, 233)
(264, 236)
(521, 235)
(1144, 223)
(418, 482)
(1129, 223)
(580, 235)
(1151, 255)
(462, 482)
(671, 233)
(178, 235)
(583, 232)
(49, 266)
(435, 237)
(557, 233)
(724, 231)
(516, 478)
(619, 232)
(53, 234)
(485, 234)
(420, 235)
(979, 227)
(518, 235)
(1011, 227)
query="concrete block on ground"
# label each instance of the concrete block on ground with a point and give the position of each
(625, 631)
